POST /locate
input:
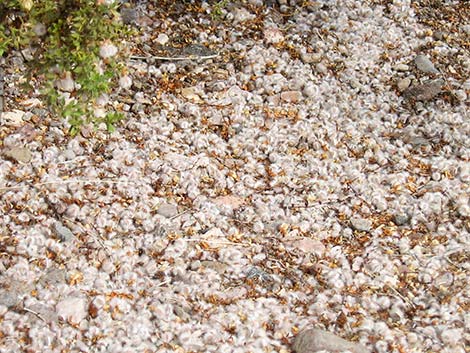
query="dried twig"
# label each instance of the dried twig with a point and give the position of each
(215, 242)
(176, 58)
(70, 181)
(34, 313)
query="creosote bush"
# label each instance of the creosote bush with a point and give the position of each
(69, 46)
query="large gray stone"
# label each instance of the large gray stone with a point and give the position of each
(314, 340)
(19, 154)
(423, 64)
(167, 210)
(361, 224)
(424, 92)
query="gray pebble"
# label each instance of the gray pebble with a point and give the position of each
(321, 68)
(19, 154)
(425, 91)
(167, 210)
(310, 90)
(69, 155)
(438, 35)
(401, 219)
(129, 15)
(53, 277)
(309, 58)
(12, 291)
(354, 83)
(9, 298)
(256, 273)
(314, 340)
(425, 65)
(72, 309)
(62, 232)
(466, 29)
(444, 280)
(401, 67)
(403, 84)
(46, 313)
(361, 224)
(137, 107)
(195, 265)
(217, 266)
(181, 312)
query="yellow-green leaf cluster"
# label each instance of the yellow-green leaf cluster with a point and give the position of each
(64, 38)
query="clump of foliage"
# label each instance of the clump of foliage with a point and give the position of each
(68, 45)
(217, 8)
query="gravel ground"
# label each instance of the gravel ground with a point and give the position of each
(314, 174)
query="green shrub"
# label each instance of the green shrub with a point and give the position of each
(70, 47)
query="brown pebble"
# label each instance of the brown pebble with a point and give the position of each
(425, 91)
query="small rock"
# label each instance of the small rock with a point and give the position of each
(403, 84)
(463, 210)
(401, 219)
(66, 84)
(256, 3)
(309, 58)
(12, 291)
(162, 39)
(129, 15)
(355, 84)
(291, 96)
(466, 29)
(31, 103)
(231, 201)
(321, 68)
(28, 132)
(19, 154)
(361, 224)
(274, 100)
(195, 265)
(108, 49)
(416, 140)
(125, 82)
(167, 210)
(257, 273)
(72, 309)
(108, 266)
(425, 91)
(310, 90)
(444, 280)
(9, 298)
(63, 233)
(190, 94)
(308, 245)
(53, 277)
(217, 266)
(182, 312)
(438, 35)
(401, 67)
(39, 29)
(272, 35)
(214, 237)
(14, 117)
(69, 154)
(47, 313)
(137, 107)
(241, 15)
(314, 340)
(425, 65)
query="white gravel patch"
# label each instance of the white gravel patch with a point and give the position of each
(182, 231)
